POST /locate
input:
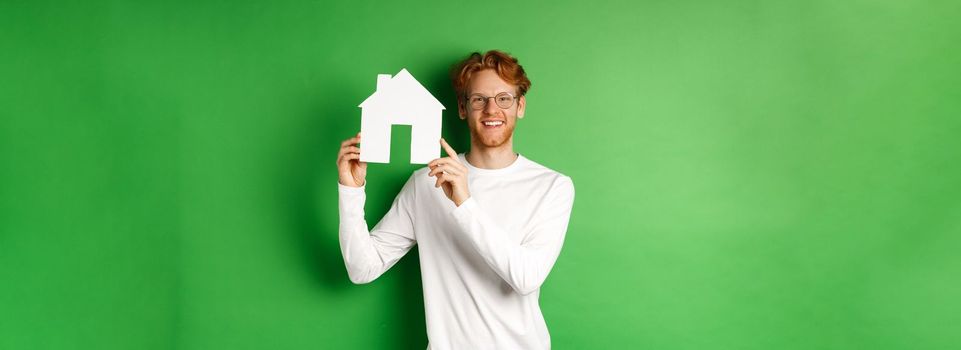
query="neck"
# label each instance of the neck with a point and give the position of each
(484, 157)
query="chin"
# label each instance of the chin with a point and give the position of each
(493, 143)
(494, 140)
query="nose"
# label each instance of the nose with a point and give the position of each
(491, 108)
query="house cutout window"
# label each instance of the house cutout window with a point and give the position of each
(400, 100)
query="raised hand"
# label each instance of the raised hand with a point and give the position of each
(451, 175)
(349, 167)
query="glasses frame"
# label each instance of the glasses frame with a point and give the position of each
(514, 99)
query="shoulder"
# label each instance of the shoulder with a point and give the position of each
(558, 180)
(419, 180)
(532, 168)
(420, 175)
(410, 188)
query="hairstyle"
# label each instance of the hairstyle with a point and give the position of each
(502, 63)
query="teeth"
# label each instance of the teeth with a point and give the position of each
(493, 123)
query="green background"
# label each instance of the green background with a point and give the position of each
(749, 174)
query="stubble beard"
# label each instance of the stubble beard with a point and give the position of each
(495, 140)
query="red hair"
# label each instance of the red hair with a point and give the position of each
(502, 63)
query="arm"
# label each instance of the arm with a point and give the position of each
(523, 266)
(368, 254)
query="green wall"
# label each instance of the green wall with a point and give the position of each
(749, 174)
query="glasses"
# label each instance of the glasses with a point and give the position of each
(503, 100)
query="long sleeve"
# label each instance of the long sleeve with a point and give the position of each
(523, 266)
(368, 254)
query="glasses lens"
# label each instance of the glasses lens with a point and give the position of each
(477, 101)
(504, 100)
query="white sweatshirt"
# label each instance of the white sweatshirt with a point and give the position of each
(482, 264)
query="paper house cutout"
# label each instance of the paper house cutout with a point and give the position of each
(400, 100)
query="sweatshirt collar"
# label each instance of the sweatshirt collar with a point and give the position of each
(480, 171)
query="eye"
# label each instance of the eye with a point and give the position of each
(504, 98)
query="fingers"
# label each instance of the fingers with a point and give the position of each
(351, 141)
(449, 172)
(349, 147)
(447, 169)
(450, 151)
(345, 158)
(446, 165)
(446, 161)
(348, 150)
(442, 179)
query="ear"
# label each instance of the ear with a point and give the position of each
(521, 106)
(461, 109)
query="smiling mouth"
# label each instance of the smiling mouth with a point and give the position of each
(492, 123)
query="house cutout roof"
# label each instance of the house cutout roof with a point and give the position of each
(401, 91)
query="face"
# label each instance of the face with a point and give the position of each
(491, 126)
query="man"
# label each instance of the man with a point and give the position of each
(490, 222)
